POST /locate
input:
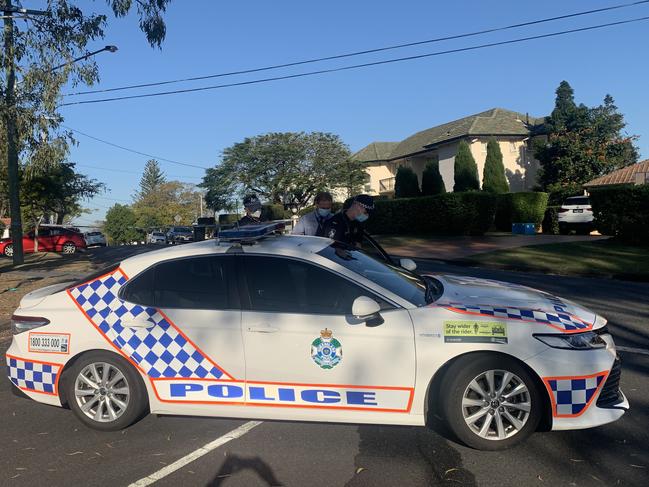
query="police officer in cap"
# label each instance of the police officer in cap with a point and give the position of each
(252, 206)
(346, 225)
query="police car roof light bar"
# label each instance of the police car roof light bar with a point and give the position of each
(250, 233)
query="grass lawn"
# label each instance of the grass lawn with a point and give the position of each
(602, 258)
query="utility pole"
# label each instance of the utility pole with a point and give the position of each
(11, 126)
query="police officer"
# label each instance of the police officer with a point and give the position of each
(252, 207)
(346, 225)
(313, 223)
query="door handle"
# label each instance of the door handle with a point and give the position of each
(262, 329)
(138, 323)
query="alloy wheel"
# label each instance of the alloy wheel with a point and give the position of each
(102, 392)
(496, 404)
(69, 248)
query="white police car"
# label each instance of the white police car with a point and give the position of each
(301, 328)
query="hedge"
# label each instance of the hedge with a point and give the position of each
(550, 222)
(622, 212)
(524, 207)
(468, 213)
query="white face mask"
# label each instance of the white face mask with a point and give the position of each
(256, 214)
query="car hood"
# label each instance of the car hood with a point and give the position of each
(487, 297)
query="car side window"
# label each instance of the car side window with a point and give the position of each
(193, 283)
(291, 286)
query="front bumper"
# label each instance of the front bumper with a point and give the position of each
(582, 386)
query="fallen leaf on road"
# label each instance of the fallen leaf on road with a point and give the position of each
(539, 477)
(449, 471)
(29, 448)
(191, 471)
(637, 466)
(74, 453)
(109, 445)
(599, 480)
(45, 433)
(16, 476)
(21, 468)
(156, 454)
(575, 460)
(98, 454)
(359, 470)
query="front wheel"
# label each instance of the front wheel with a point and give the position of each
(105, 392)
(491, 402)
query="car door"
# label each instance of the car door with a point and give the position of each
(304, 349)
(47, 238)
(195, 338)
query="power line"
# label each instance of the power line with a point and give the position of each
(133, 150)
(367, 51)
(133, 172)
(358, 66)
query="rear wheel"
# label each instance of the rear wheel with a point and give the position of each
(69, 248)
(490, 402)
(9, 250)
(105, 392)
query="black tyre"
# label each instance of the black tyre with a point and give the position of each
(490, 401)
(105, 391)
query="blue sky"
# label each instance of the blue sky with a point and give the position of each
(378, 103)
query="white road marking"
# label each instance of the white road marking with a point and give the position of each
(642, 351)
(195, 455)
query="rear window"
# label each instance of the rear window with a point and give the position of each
(579, 200)
(93, 234)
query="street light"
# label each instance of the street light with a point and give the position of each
(86, 56)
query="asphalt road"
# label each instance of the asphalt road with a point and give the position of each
(43, 445)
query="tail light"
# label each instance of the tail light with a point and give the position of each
(589, 209)
(20, 324)
(563, 210)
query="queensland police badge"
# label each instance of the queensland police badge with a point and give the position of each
(326, 351)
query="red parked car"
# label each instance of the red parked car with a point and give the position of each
(50, 239)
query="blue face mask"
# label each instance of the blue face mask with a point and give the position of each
(362, 217)
(324, 212)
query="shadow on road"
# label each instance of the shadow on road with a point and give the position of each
(235, 464)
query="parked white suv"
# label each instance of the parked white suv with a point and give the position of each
(156, 238)
(576, 214)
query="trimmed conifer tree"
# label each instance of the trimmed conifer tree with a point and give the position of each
(465, 169)
(493, 177)
(432, 182)
(406, 184)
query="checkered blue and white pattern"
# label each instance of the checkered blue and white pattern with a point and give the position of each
(33, 376)
(558, 320)
(572, 395)
(161, 350)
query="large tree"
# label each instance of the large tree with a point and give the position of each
(465, 170)
(160, 207)
(152, 179)
(56, 193)
(40, 56)
(493, 177)
(582, 143)
(120, 225)
(286, 168)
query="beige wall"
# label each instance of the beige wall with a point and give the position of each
(520, 167)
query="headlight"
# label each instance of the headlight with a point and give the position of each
(20, 324)
(575, 341)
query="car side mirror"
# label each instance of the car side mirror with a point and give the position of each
(408, 264)
(368, 310)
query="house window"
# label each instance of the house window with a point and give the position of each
(483, 145)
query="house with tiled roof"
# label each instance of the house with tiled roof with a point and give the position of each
(630, 175)
(512, 130)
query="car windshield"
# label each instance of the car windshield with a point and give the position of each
(183, 229)
(406, 284)
(158, 234)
